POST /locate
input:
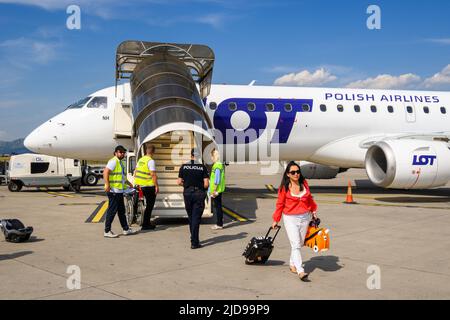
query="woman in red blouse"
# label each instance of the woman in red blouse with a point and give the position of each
(295, 203)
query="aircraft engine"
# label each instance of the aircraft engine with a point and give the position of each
(408, 164)
(312, 170)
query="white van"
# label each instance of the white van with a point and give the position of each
(38, 170)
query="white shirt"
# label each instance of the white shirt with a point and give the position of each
(151, 165)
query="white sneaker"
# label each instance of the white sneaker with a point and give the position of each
(216, 227)
(110, 234)
(128, 232)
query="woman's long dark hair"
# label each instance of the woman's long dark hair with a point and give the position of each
(285, 181)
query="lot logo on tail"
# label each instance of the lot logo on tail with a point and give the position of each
(423, 160)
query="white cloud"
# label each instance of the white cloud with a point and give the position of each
(440, 80)
(306, 78)
(215, 20)
(440, 40)
(22, 51)
(279, 69)
(57, 4)
(8, 104)
(387, 81)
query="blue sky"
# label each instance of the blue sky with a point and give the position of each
(46, 66)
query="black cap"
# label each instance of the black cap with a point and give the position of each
(120, 148)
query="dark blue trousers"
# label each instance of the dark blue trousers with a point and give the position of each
(216, 204)
(116, 205)
(194, 202)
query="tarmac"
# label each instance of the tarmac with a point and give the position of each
(392, 244)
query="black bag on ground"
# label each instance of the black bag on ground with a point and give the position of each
(258, 250)
(15, 231)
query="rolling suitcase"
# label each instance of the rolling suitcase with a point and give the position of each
(259, 249)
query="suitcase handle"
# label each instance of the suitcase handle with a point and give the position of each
(268, 231)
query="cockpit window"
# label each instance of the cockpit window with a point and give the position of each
(98, 102)
(79, 104)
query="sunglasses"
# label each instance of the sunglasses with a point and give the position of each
(294, 172)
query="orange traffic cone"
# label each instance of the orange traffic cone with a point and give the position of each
(349, 199)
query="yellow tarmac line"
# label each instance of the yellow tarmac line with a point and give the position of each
(100, 213)
(234, 214)
(60, 194)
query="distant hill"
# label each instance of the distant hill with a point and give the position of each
(13, 147)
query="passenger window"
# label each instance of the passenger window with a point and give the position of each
(340, 107)
(212, 106)
(390, 109)
(270, 107)
(357, 108)
(443, 110)
(98, 102)
(426, 109)
(251, 106)
(409, 109)
(306, 107)
(373, 108)
(39, 167)
(232, 106)
(288, 107)
(323, 108)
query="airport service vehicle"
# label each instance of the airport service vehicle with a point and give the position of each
(4, 165)
(38, 170)
(91, 175)
(400, 137)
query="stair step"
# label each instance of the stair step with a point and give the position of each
(171, 189)
(163, 175)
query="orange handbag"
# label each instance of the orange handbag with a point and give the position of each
(317, 238)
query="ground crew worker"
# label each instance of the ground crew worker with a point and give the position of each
(193, 176)
(116, 184)
(216, 188)
(145, 176)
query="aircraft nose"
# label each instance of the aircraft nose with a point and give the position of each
(31, 142)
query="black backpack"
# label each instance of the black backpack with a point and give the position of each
(15, 231)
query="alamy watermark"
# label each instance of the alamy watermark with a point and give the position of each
(239, 146)
(374, 20)
(374, 280)
(73, 21)
(73, 282)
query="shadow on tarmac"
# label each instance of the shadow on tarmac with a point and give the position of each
(223, 238)
(325, 263)
(14, 255)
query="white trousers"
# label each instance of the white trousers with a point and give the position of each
(296, 228)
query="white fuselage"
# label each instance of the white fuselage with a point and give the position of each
(329, 137)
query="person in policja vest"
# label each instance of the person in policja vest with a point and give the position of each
(116, 184)
(216, 188)
(145, 177)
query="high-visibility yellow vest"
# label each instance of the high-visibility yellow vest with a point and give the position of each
(117, 178)
(143, 174)
(221, 187)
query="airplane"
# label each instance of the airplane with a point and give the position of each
(401, 137)
(409, 130)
